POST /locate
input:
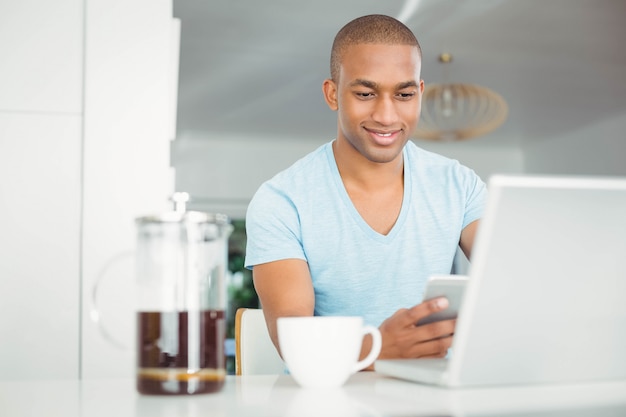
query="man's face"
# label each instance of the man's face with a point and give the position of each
(378, 98)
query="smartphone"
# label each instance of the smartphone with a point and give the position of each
(450, 286)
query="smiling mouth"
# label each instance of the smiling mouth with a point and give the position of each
(384, 138)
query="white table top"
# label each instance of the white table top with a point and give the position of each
(366, 394)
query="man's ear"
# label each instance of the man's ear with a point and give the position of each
(330, 94)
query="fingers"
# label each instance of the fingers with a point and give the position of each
(430, 340)
(434, 339)
(436, 330)
(414, 314)
(433, 348)
(403, 339)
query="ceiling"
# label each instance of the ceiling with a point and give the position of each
(254, 69)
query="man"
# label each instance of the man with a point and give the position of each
(357, 226)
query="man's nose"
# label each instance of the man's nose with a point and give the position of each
(385, 111)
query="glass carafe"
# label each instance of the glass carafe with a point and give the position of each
(181, 261)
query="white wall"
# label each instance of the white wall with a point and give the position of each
(222, 173)
(598, 149)
(485, 160)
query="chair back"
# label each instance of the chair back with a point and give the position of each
(255, 354)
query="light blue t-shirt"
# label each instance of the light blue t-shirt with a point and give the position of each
(305, 212)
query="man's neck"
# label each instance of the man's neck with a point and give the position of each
(375, 189)
(358, 171)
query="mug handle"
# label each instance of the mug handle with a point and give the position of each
(374, 351)
(94, 313)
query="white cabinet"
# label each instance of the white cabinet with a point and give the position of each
(87, 111)
(39, 245)
(41, 50)
(40, 187)
(128, 120)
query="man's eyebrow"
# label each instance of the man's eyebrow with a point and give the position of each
(406, 84)
(363, 83)
(371, 84)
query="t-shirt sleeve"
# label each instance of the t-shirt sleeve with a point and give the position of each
(272, 227)
(476, 197)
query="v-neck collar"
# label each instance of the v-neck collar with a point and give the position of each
(354, 213)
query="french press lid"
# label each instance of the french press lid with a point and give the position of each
(181, 215)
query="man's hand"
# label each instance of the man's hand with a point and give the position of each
(403, 339)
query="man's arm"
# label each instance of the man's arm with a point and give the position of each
(285, 289)
(467, 238)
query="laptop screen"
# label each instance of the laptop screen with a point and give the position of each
(545, 300)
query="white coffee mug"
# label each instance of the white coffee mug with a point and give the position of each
(324, 351)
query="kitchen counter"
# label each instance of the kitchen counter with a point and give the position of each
(365, 394)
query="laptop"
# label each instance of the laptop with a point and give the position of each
(546, 297)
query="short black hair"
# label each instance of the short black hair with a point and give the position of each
(374, 28)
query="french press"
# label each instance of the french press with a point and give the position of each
(180, 267)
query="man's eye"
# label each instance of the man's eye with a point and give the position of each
(364, 95)
(405, 96)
